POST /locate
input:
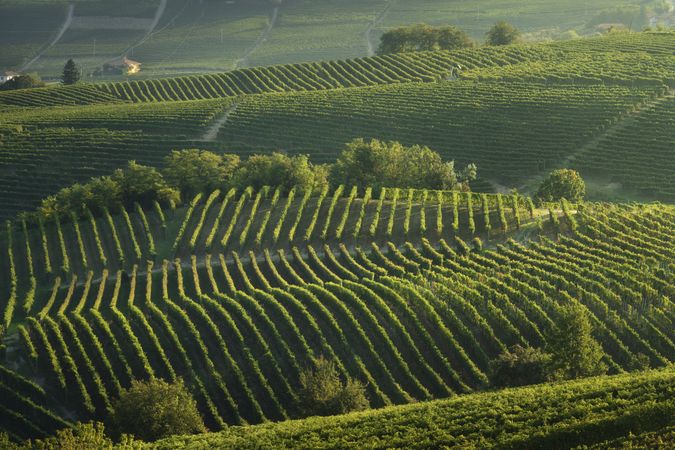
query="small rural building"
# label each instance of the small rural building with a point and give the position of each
(120, 66)
(7, 75)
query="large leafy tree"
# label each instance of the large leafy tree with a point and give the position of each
(323, 393)
(503, 33)
(562, 183)
(71, 73)
(574, 351)
(155, 409)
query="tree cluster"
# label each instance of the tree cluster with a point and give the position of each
(391, 164)
(187, 172)
(571, 352)
(423, 37)
(26, 81)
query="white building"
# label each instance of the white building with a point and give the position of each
(6, 76)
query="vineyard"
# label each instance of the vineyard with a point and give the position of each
(456, 421)
(516, 111)
(237, 292)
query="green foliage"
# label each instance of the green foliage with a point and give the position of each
(520, 366)
(502, 33)
(156, 409)
(562, 183)
(71, 73)
(194, 170)
(323, 393)
(279, 170)
(26, 81)
(574, 351)
(144, 184)
(390, 164)
(423, 37)
(83, 436)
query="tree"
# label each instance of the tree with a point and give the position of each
(156, 409)
(423, 37)
(377, 164)
(562, 183)
(281, 170)
(195, 170)
(324, 394)
(503, 33)
(71, 73)
(143, 184)
(574, 351)
(520, 366)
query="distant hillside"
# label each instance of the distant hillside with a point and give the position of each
(193, 36)
(516, 111)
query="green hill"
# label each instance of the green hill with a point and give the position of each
(518, 418)
(492, 115)
(411, 310)
(193, 36)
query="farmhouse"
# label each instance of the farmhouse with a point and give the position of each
(125, 65)
(7, 75)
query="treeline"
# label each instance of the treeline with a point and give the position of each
(374, 164)
(423, 37)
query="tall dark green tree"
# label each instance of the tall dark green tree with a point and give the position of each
(71, 73)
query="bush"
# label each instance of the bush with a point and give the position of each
(390, 164)
(83, 436)
(502, 33)
(520, 366)
(423, 37)
(562, 183)
(324, 394)
(156, 409)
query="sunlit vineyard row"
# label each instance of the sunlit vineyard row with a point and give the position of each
(413, 320)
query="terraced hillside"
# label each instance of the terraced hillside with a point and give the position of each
(412, 312)
(45, 134)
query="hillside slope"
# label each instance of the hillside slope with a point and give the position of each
(413, 318)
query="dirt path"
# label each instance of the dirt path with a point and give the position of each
(622, 123)
(151, 28)
(243, 61)
(372, 25)
(62, 30)
(211, 132)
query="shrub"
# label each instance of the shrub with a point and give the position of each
(520, 366)
(324, 394)
(156, 409)
(562, 183)
(502, 33)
